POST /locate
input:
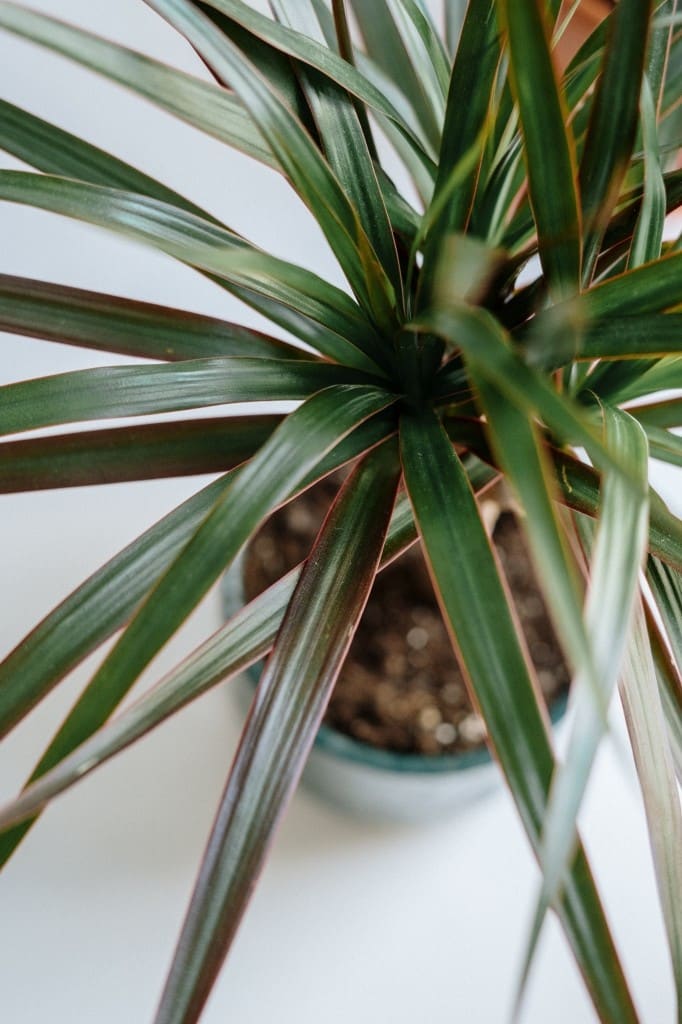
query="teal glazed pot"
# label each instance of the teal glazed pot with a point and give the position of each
(376, 784)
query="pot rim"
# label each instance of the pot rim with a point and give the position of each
(339, 744)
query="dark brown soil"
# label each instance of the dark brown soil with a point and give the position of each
(401, 688)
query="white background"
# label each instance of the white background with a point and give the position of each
(351, 922)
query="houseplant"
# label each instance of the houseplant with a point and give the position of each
(442, 357)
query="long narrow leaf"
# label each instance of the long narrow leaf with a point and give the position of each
(430, 54)
(653, 758)
(548, 147)
(652, 288)
(581, 491)
(274, 65)
(618, 554)
(613, 121)
(647, 237)
(388, 48)
(309, 652)
(477, 614)
(669, 681)
(113, 391)
(666, 586)
(57, 152)
(178, 586)
(664, 445)
(526, 465)
(579, 488)
(473, 73)
(140, 452)
(660, 44)
(662, 375)
(51, 149)
(615, 338)
(665, 414)
(72, 316)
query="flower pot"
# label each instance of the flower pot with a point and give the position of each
(381, 784)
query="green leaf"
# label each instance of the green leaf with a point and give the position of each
(466, 113)
(108, 598)
(113, 391)
(609, 338)
(140, 452)
(669, 686)
(660, 44)
(653, 758)
(400, 56)
(344, 144)
(207, 107)
(55, 151)
(309, 652)
(550, 161)
(667, 413)
(404, 218)
(96, 609)
(580, 485)
(666, 585)
(622, 225)
(648, 233)
(476, 611)
(520, 454)
(664, 445)
(629, 337)
(431, 55)
(108, 323)
(503, 170)
(613, 121)
(619, 230)
(653, 288)
(619, 549)
(314, 310)
(662, 375)
(333, 28)
(648, 236)
(301, 161)
(421, 177)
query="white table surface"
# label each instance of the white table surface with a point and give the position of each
(350, 922)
